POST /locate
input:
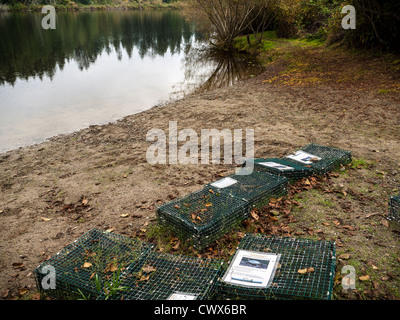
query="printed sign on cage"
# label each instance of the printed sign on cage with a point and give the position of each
(209, 139)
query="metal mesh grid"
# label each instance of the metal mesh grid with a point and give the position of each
(331, 158)
(296, 172)
(394, 208)
(288, 283)
(203, 216)
(256, 188)
(96, 252)
(163, 274)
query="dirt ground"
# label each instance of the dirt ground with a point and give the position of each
(51, 193)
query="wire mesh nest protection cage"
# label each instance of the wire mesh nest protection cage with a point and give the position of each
(394, 208)
(321, 159)
(280, 167)
(83, 267)
(203, 216)
(165, 276)
(305, 269)
(256, 188)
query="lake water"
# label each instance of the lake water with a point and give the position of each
(97, 67)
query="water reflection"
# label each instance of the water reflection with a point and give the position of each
(26, 50)
(207, 69)
(97, 67)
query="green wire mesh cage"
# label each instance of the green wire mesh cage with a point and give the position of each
(280, 167)
(83, 267)
(203, 216)
(322, 159)
(305, 269)
(256, 188)
(165, 276)
(394, 208)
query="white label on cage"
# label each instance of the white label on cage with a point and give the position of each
(224, 183)
(182, 296)
(252, 269)
(275, 165)
(303, 157)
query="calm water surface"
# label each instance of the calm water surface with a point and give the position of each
(97, 67)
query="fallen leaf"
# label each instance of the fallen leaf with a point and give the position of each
(124, 215)
(148, 269)
(211, 191)
(23, 291)
(344, 256)
(45, 219)
(193, 216)
(144, 278)
(5, 293)
(302, 271)
(371, 214)
(176, 246)
(254, 215)
(365, 278)
(339, 243)
(336, 222)
(143, 230)
(36, 296)
(208, 204)
(18, 265)
(85, 201)
(87, 265)
(309, 270)
(110, 230)
(176, 207)
(385, 223)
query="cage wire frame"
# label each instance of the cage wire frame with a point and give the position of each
(202, 216)
(331, 158)
(164, 274)
(287, 283)
(83, 267)
(257, 188)
(297, 172)
(394, 208)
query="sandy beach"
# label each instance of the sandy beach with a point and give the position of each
(53, 192)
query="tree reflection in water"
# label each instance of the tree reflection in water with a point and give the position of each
(207, 69)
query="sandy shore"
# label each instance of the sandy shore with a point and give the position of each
(53, 192)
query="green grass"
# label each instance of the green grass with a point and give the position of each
(268, 42)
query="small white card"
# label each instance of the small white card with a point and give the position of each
(252, 269)
(182, 296)
(224, 183)
(303, 157)
(275, 165)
